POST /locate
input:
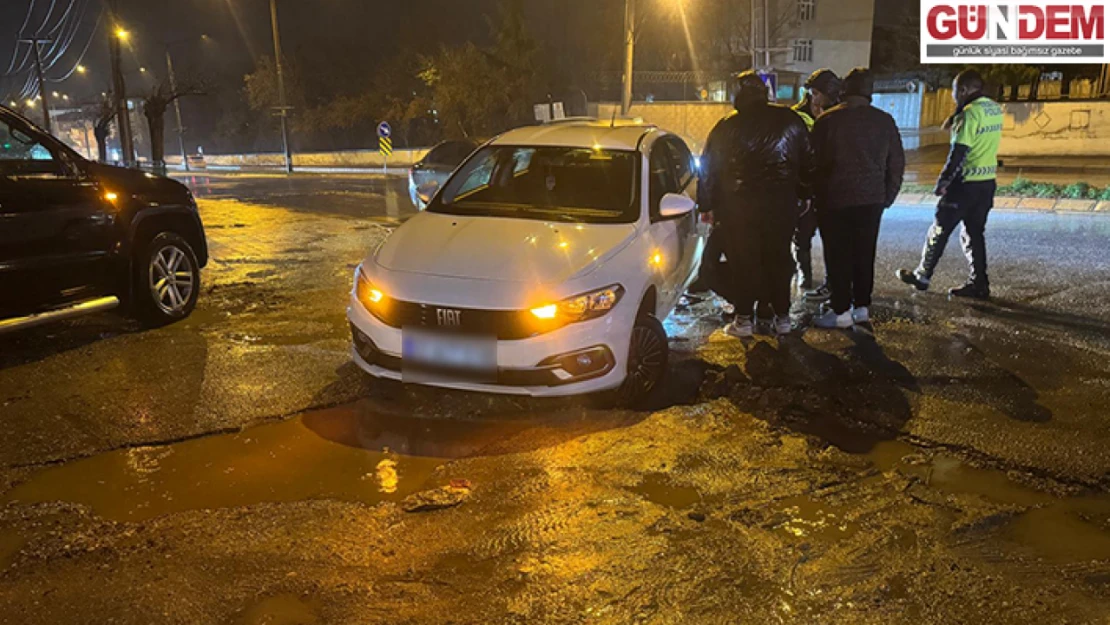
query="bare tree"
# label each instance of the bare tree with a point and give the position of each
(154, 109)
(727, 28)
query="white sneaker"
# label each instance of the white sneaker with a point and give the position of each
(783, 325)
(741, 328)
(861, 315)
(832, 320)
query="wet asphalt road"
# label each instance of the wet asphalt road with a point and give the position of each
(236, 468)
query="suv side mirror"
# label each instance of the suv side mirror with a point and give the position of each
(427, 191)
(675, 205)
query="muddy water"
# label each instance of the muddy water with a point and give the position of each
(349, 454)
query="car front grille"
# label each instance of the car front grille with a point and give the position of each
(506, 325)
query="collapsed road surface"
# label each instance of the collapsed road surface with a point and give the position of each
(949, 467)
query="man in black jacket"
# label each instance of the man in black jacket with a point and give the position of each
(755, 168)
(860, 163)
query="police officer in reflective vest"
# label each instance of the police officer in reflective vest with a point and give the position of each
(966, 188)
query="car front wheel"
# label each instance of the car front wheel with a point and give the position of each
(167, 280)
(647, 361)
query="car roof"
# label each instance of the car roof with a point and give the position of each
(605, 135)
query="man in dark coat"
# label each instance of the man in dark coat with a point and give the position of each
(756, 168)
(822, 93)
(860, 163)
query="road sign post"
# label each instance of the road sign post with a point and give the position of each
(385, 144)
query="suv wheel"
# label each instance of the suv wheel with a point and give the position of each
(167, 279)
(647, 361)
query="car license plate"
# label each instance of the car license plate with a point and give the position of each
(434, 356)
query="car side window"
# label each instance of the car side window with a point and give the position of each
(661, 176)
(21, 155)
(682, 161)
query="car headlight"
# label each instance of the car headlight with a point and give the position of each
(370, 296)
(581, 307)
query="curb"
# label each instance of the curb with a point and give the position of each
(1040, 204)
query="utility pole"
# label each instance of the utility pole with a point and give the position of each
(766, 35)
(283, 108)
(116, 35)
(177, 109)
(629, 54)
(755, 48)
(34, 41)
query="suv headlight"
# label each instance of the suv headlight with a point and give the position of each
(581, 307)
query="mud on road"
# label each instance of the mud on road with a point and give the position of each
(947, 465)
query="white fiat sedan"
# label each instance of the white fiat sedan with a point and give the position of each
(542, 267)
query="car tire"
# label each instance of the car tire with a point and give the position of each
(166, 280)
(648, 352)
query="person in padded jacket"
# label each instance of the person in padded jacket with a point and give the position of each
(755, 168)
(860, 163)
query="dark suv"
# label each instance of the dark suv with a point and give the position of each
(79, 237)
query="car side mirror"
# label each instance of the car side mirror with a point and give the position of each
(675, 205)
(427, 191)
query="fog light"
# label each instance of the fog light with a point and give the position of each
(583, 364)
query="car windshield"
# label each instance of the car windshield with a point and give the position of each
(549, 183)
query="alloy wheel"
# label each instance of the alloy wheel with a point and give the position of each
(172, 279)
(646, 360)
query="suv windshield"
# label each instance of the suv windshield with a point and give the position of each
(550, 183)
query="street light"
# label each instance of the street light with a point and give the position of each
(122, 34)
(81, 69)
(283, 108)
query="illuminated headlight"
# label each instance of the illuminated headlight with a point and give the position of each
(581, 307)
(371, 296)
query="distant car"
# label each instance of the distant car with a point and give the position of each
(435, 168)
(543, 267)
(78, 237)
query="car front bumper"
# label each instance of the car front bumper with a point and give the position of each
(524, 366)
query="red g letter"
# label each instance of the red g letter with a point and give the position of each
(942, 23)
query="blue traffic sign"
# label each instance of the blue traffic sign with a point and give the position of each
(384, 131)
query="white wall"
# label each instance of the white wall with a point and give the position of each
(1056, 129)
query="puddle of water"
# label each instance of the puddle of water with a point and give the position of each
(1072, 530)
(658, 488)
(355, 453)
(281, 610)
(951, 475)
(805, 517)
(10, 545)
(1060, 529)
(273, 463)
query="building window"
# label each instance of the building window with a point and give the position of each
(807, 10)
(803, 50)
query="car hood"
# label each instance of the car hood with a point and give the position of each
(500, 249)
(137, 183)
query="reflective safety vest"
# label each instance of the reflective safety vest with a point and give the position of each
(979, 127)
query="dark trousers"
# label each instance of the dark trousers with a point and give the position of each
(803, 245)
(757, 244)
(713, 274)
(969, 203)
(850, 236)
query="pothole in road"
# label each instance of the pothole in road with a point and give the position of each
(353, 453)
(1060, 529)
